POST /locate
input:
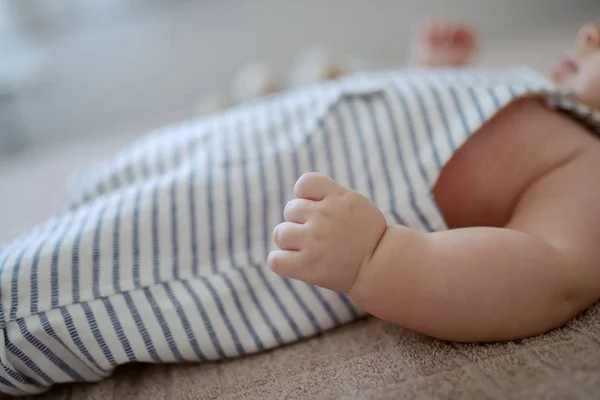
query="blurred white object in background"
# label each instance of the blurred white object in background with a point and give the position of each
(253, 80)
(17, 74)
(119, 68)
(315, 64)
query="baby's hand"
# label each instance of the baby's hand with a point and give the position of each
(330, 233)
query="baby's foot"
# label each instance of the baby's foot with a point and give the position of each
(440, 43)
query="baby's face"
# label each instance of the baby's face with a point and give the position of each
(586, 81)
(588, 40)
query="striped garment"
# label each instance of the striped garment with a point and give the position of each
(161, 256)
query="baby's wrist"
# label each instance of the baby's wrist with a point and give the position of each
(366, 267)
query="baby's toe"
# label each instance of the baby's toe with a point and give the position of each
(443, 43)
(430, 33)
(464, 35)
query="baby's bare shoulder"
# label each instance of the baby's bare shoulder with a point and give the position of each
(563, 204)
(523, 145)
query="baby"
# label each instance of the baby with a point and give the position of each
(522, 203)
(474, 215)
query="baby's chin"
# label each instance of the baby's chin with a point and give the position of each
(589, 94)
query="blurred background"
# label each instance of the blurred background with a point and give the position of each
(80, 79)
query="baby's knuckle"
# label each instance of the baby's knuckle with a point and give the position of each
(278, 234)
(289, 208)
(308, 182)
(317, 232)
(316, 254)
(312, 230)
(325, 212)
(355, 206)
(292, 206)
(273, 262)
(305, 182)
(356, 202)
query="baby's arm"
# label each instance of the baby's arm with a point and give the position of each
(472, 284)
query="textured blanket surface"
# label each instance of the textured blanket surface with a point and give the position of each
(371, 359)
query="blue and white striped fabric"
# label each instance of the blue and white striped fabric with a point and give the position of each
(161, 257)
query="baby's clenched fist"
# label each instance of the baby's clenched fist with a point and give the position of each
(329, 234)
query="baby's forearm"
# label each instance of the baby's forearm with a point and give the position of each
(472, 284)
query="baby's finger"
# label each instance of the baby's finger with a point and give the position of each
(298, 210)
(289, 236)
(313, 186)
(290, 264)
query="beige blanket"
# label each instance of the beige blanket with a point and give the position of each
(374, 360)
